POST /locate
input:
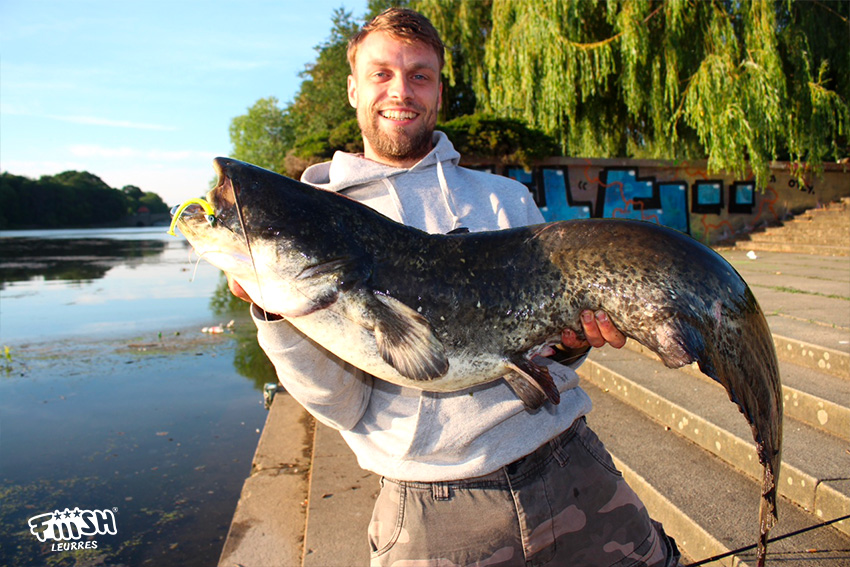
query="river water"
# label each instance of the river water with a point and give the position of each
(113, 400)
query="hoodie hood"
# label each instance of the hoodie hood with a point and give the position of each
(435, 195)
(347, 171)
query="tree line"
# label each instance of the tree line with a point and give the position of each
(737, 82)
(69, 199)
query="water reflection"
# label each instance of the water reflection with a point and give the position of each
(250, 360)
(58, 283)
(115, 399)
(73, 259)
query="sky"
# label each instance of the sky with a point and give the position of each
(142, 92)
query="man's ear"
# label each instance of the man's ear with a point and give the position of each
(352, 91)
(440, 97)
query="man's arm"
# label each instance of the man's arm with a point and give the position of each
(333, 391)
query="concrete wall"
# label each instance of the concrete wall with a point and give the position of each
(683, 195)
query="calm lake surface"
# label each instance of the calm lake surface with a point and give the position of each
(113, 400)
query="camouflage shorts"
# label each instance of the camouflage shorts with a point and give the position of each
(565, 504)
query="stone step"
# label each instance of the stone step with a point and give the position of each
(806, 300)
(706, 505)
(819, 223)
(816, 398)
(826, 250)
(824, 215)
(816, 465)
(832, 361)
(823, 237)
(822, 231)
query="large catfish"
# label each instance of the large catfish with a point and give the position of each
(445, 312)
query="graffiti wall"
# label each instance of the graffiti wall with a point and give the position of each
(710, 207)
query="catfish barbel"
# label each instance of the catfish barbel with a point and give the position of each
(446, 312)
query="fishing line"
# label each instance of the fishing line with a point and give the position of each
(248, 247)
(195, 271)
(771, 540)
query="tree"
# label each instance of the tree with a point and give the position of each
(68, 199)
(506, 140)
(153, 202)
(263, 135)
(79, 198)
(322, 100)
(741, 82)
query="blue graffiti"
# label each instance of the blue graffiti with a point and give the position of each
(620, 194)
(558, 206)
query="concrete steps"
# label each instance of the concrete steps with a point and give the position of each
(823, 231)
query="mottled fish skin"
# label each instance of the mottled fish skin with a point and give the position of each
(446, 312)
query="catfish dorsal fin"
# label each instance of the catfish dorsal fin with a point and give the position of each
(406, 340)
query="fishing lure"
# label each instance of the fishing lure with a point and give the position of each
(178, 210)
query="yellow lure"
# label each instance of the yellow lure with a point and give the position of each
(208, 209)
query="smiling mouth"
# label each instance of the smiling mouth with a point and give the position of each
(398, 115)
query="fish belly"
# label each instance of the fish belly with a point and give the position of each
(357, 345)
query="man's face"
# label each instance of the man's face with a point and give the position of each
(397, 92)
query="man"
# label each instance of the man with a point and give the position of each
(469, 477)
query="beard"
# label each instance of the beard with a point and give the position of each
(397, 143)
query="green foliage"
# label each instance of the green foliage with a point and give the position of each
(263, 135)
(69, 199)
(321, 146)
(288, 140)
(136, 199)
(346, 137)
(154, 203)
(322, 101)
(740, 83)
(506, 140)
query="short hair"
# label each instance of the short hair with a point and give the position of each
(404, 24)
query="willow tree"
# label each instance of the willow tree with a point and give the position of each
(739, 82)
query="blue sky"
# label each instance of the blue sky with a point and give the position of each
(143, 92)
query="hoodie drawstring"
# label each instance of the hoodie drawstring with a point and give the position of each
(448, 201)
(447, 196)
(396, 201)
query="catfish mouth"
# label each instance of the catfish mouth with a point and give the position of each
(223, 195)
(211, 223)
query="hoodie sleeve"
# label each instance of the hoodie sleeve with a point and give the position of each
(333, 391)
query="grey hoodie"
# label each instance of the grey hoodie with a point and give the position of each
(404, 433)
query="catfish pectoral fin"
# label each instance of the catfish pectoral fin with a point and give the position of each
(406, 340)
(526, 390)
(535, 375)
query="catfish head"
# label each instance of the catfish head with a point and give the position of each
(283, 241)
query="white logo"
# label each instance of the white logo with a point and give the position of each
(72, 525)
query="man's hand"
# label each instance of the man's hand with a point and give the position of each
(237, 290)
(598, 330)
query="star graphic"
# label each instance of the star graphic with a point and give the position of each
(76, 512)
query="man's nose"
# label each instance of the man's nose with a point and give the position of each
(400, 88)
